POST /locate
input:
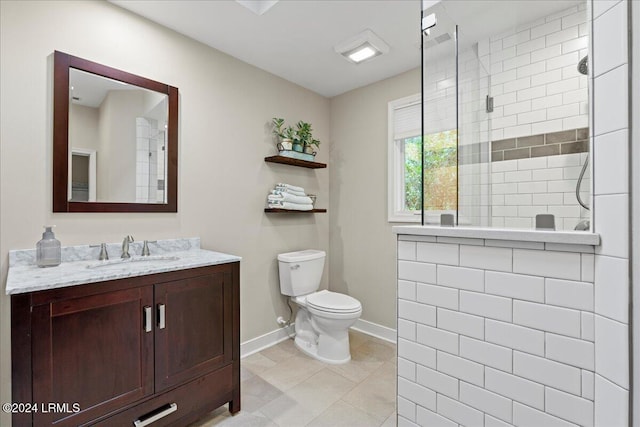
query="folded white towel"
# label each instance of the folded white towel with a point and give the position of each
(287, 190)
(290, 187)
(288, 197)
(290, 206)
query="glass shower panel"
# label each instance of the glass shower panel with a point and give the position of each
(508, 82)
(440, 129)
(474, 142)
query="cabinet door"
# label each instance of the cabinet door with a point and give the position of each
(194, 327)
(95, 352)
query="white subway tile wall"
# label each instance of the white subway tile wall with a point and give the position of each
(611, 213)
(612, 403)
(500, 336)
(612, 351)
(537, 89)
(540, 85)
(515, 337)
(429, 418)
(576, 373)
(569, 407)
(149, 161)
(612, 288)
(539, 185)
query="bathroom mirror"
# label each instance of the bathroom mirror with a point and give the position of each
(115, 140)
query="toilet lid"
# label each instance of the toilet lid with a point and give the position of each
(334, 302)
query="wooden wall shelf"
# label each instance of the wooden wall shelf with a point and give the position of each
(295, 162)
(274, 210)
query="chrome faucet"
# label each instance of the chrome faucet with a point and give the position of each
(125, 247)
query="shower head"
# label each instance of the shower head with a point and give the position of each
(583, 66)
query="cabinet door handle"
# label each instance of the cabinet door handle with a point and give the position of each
(154, 416)
(161, 316)
(147, 319)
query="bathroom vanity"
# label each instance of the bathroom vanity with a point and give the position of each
(144, 341)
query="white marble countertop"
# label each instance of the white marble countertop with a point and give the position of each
(80, 264)
(566, 237)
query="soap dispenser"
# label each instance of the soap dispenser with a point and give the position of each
(48, 250)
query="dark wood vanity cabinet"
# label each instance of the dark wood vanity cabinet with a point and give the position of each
(184, 350)
(162, 346)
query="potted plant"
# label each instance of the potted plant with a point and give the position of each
(308, 148)
(290, 135)
(303, 136)
(284, 134)
(296, 142)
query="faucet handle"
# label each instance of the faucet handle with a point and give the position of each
(104, 255)
(145, 247)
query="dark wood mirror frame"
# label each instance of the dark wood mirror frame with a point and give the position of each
(62, 63)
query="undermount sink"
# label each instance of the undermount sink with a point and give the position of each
(119, 261)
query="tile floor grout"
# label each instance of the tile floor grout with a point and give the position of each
(283, 387)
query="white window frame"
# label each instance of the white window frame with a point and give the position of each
(395, 164)
(395, 169)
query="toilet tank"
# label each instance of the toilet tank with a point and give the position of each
(300, 272)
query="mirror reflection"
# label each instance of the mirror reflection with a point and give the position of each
(117, 141)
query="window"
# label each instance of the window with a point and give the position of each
(440, 165)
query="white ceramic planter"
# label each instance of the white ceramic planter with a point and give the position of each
(286, 144)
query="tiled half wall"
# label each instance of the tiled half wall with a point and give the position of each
(495, 333)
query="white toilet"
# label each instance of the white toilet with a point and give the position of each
(324, 317)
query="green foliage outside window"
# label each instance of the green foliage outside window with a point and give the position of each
(440, 172)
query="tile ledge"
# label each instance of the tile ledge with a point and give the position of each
(565, 237)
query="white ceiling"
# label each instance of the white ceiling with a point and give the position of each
(295, 39)
(90, 89)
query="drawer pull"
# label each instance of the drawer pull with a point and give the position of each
(155, 415)
(147, 319)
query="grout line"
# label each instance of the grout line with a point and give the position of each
(611, 319)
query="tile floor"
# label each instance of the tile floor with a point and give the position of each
(282, 387)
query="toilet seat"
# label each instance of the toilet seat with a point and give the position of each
(333, 302)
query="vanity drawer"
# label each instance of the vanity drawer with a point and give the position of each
(193, 400)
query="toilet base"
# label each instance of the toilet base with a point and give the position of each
(329, 348)
(311, 350)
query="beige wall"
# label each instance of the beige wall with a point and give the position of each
(362, 246)
(117, 154)
(83, 126)
(225, 107)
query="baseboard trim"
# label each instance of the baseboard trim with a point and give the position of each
(375, 330)
(267, 340)
(272, 338)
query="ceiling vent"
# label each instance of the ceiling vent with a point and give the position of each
(258, 7)
(434, 41)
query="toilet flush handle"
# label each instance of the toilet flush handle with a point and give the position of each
(295, 267)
